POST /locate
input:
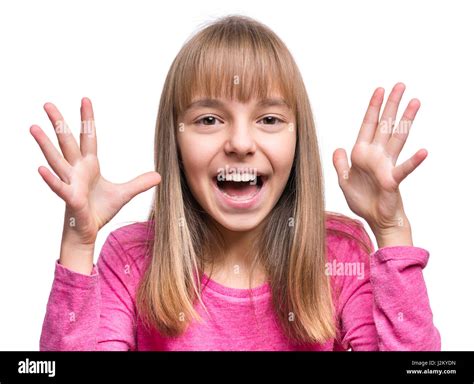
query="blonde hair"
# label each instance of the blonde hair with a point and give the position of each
(293, 240)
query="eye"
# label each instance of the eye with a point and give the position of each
(207, 120)
(271, 120)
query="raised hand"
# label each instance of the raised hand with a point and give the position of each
(91, 201)
(371, 184)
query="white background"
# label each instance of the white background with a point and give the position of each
(118, 53)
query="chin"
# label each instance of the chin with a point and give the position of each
(239, 223)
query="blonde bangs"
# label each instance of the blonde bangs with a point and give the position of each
(234, 64)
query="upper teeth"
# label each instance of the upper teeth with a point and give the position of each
(240, 177)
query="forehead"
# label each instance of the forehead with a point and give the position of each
(207, 102)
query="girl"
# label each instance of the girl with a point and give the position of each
(238, 252)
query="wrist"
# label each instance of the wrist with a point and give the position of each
(395, 235)
(72, 238)
(77, 256)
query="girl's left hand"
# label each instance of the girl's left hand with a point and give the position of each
(371, 184)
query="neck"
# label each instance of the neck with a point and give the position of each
(234, 266)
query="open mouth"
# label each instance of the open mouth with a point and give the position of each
(241, 188)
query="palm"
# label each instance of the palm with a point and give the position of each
(93, 199)
(371, 184)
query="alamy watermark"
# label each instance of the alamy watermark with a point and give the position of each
(237, 174)
(87, 127)
(339, 268)
(37, 367)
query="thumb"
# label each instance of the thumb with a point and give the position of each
(339, 159)
(139, 184)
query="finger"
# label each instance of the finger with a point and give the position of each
(400, 133)
(57, 186)
(404, 169)
(389, 114)
(138, 185)
(341, 163)
(66, 140)
(52, 155)
(88, 140)
(371, 118)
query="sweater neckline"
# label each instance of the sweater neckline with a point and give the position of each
(234, 292)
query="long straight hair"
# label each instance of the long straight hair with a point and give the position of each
(238, 57)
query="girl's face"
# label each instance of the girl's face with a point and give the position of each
(237, 157)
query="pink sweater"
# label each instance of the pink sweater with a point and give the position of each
(382, 304)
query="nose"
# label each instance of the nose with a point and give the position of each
(240, 141)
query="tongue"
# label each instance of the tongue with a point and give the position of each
(238, 189)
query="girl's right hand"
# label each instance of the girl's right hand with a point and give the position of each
(91, 201)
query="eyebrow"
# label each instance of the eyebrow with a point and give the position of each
(215, 103)
(273, 103)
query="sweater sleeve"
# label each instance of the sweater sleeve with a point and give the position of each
(92, 312)
(386, 307)
(402, 312)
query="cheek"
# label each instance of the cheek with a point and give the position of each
(197, 152)
(280, 150)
